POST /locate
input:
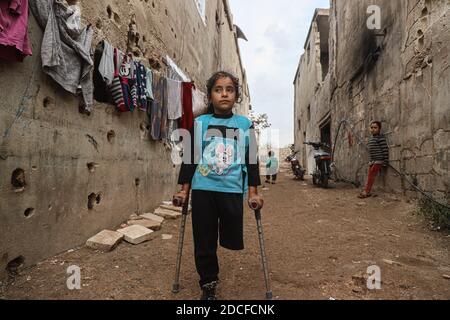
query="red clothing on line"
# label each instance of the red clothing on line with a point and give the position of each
(14, 44)
(187, 120)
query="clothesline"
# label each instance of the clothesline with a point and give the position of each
(171, 101)
(124, 81)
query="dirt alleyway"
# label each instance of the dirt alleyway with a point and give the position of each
(319, 245)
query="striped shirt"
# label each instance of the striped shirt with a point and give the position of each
(378, 149)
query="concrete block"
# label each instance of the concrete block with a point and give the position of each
(151, 216)
(170, 207)
(105, 241)
(147, 223)
(136, 234)
(167, 214)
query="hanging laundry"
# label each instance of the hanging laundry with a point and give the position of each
(199, 106)
(149, 86)
(158, 113)
(174, 103)
(173, 135)
(165, 113)
(141, 85)
(174, 72)
(103, 72)
(187, 120)
(65, 48)
(14, 44)
(120, 87)
(106, 67)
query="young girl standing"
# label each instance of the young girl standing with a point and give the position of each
(223, 168)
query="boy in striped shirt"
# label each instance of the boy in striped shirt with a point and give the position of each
(378, 155)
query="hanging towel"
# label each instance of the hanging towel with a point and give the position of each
(106, 67)
(174, 103)
(198, 103)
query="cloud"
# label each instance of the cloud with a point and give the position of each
(277, 32)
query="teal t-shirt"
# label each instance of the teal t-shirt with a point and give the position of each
(221, 146)
(272, 165)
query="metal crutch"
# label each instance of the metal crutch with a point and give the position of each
(177, 202)
(254, 205)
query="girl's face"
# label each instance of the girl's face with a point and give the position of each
(223, 96)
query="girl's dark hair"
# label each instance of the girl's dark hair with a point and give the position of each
(378, 123)
(212, 82)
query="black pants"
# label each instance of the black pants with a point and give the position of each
(215, 214)
(274, 178)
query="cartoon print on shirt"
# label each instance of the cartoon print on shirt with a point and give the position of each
(219, 157)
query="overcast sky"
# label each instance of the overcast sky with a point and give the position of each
(276, 31)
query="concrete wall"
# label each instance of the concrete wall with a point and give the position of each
(308, 86)
(53, 143)
(401, 78)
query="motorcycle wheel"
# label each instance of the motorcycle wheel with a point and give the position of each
(325, 182)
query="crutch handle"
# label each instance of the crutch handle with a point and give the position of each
(254, 205)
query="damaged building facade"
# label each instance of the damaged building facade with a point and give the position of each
(397, 73)
(66, 175)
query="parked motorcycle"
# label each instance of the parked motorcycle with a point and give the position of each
(289, 157)
(322, 173)
(297, 169)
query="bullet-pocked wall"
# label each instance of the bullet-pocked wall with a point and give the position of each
(55, 162)
(398, 74)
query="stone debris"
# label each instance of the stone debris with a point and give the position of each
(167, 236)
(445, 276)
(171, 207)
(147, 223)
(167, 214)
(136, 234)
(106, 240)
(390, 262)
(151, 216)
(134, 217)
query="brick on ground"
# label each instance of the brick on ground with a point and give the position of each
(136, 234)
(105, 240)
(147, 223)
(167, 214)
(151, 216)
(170, 207)
(173, 208)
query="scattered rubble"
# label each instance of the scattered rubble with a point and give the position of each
(138, 229)
(167, 236)
(151, 216)
(167, 214)
(136, 234)
(106, 240)
(147, 223)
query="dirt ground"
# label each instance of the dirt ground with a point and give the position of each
(319, 245)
